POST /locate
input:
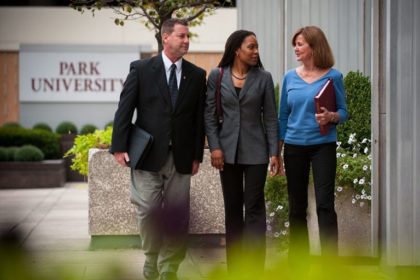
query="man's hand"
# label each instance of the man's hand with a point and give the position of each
(195, 167)
(122, 158)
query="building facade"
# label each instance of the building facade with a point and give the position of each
(380, 38)
(38, 43)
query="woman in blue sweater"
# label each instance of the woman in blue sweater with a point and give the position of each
(304, 146)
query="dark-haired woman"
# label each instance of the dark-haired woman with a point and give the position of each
(304, 146)
(244, 144)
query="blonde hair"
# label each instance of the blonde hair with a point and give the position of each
(315, 37)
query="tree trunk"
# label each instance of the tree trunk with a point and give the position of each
(159, 41)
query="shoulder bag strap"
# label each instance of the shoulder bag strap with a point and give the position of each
(219, 109)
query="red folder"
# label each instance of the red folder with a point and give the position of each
(325, 98)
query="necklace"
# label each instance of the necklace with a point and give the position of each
(241, 79)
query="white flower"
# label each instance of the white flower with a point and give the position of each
(353, 201)
(338, 155)
(286, 224)
(364, 140)
(345, 166)
(280, 207)
(365, 167)
(339, 189)
(362, 181)
(338, 143)
(268, 222)
(363, 191)
(370, 157)
(272, 214)
(351, 138)
(276, 234)
(357, 196)
(355, 181)
(283, 232)
(366, 150)
(269, 228)
(369, 197)
(354, 155)
(343, 155)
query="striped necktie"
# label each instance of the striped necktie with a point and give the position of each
(173, 86)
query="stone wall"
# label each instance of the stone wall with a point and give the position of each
(110, 210)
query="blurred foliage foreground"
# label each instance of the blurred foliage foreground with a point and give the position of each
(16, 263)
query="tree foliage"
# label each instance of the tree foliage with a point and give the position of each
(151, 12)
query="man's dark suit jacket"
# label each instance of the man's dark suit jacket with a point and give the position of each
(146, 90)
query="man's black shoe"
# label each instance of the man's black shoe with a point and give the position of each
(168, 276)
(150, 274)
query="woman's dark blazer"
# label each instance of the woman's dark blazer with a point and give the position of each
(250, 127)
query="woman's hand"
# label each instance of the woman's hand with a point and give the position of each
(217, 159)
(326, 117)
(281, 167)
(281, 164)
(274, 166)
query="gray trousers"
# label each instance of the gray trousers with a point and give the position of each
(163, 200)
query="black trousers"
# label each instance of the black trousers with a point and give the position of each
(243, 185)
(298, 160)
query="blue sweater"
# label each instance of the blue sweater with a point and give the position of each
(297, 121)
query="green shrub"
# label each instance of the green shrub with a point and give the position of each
(66, 128)
(277, 95)
(12, 124)
(11, 151)
(47, 142)
(358, 96)
(277, 208)
(82, 144)
(29, 153)
(110, 123)
(88, 128)
(42, 126)
(3, 154)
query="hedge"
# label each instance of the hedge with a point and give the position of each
(47, 142)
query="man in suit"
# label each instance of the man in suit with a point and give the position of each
(168, 94)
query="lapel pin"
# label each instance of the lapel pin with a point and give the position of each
(184, 77)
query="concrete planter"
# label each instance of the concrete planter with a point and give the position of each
(112, 214)
(110, 209)
(42, 174)
(354, 225)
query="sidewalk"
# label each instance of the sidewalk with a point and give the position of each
(53, 224)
